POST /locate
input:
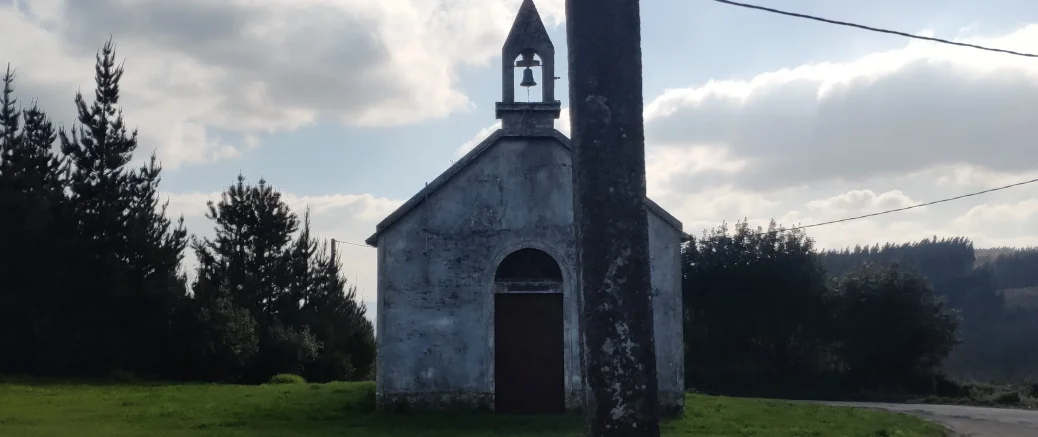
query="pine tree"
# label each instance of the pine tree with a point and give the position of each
(254, 264)
(33, 250)
(302, 274)
(33, 161)
(155, 249)
(12, 296)
(251, 250)
(131, 251)
(336, 317)
(8, 117)
(99, 151)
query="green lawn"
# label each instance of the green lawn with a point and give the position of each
(342, 409)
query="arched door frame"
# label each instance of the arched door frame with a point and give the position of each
(571, 307)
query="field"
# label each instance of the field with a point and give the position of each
(1021, 297)
(344, 409)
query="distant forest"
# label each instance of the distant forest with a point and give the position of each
(995, 290)
(767, 314)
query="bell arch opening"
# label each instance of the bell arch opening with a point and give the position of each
(528, 265)
(529, 79)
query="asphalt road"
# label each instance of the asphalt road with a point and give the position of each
(966, 421)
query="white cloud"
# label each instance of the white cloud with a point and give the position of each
(563, 123)
(362, 206)
(827, 141)
(864, 202)
(205, 78)
(990, 221)
(974, 176)
(885, 114)
(476, 139)
(1016, 222)
(666, 166)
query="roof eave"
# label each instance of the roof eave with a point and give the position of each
(430, 187)
(663, 214)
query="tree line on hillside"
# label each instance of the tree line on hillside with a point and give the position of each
(91, 277)
(767, 314)
(1015, 269)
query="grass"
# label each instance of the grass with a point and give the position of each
(1021, 297)
(53, 409)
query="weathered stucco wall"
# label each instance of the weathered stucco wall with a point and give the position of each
(665, 273)
(436, 267)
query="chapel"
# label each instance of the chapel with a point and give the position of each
(478, 284)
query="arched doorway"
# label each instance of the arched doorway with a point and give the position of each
(529, 348)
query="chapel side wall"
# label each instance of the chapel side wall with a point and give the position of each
(665, 273)
(437, 330)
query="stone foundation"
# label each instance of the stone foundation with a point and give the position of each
(435, 401)
(672, 404)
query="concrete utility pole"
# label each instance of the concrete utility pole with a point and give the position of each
(608, 138)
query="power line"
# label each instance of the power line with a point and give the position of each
(334, 241)
(875, 29)
(859, 217)
(914, 206)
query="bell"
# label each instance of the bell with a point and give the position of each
(528, 80)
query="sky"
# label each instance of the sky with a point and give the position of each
(351, 106)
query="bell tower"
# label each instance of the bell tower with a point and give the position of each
(527, 41)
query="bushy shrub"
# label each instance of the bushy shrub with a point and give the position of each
(1007, 398)
(287, 378)
(332, 366)
(122, 376)
(288, 350)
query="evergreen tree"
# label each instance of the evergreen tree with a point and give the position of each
(893, 329)
(99, 151)
(12, 297)
(336, 316)
(33, 246)
(155, 248)
(307, 318)
(33, 161)
(252, 249)
(221, 338)
(130, 252)
(756, 320)
(301, 270)
(8, 117)
(250, 264)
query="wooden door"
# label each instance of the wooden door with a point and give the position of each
(529, 369)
